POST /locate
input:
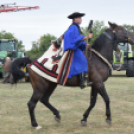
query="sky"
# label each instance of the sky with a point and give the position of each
(51, 17)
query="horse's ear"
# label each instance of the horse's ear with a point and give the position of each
(112, 25)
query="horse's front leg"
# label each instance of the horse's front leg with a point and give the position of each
(99, 88)
(102, 91)
(93, 97)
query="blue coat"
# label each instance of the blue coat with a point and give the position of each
(73, 40)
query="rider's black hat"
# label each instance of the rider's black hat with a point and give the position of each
(75, 15)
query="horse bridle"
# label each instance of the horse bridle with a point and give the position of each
(115, 40)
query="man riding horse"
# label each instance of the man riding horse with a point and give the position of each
(74, 40)
(98, 72)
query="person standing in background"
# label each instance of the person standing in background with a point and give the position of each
(6, 70)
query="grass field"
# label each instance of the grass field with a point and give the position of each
(72, 103)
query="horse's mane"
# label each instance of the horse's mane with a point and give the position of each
(99, 41)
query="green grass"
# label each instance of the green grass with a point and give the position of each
(72, 103)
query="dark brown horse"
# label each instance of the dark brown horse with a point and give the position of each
(98, 73)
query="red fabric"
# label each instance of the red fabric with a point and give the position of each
(55, 67)
(45, 70)
(68, 69)
(44, 61)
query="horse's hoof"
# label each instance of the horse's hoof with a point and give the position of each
(84, 123)
(57, 119)
(109, 122)
(38, 127)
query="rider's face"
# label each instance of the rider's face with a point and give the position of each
(78, 20)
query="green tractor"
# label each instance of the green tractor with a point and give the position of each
(9, 48)
(123, 59)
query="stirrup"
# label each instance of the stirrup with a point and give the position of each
(85, 84)
(83, 80)
(88, 84)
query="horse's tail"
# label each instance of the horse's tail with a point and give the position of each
(16, 66)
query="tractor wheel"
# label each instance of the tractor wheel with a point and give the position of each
(1, 75)
(27, 79)
(130, 68)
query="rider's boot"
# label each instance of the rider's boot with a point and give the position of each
(83, 81)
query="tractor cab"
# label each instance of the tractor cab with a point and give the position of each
(9, 47)
(125, 47)
(123, 59)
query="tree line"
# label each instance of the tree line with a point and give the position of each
(8, 35)
(42, 44)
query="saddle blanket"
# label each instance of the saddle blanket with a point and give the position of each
(54, 64)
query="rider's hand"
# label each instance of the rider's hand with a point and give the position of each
(88, 45)
(90, 35)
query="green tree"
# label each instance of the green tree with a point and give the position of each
(21, 47)
(8, 35)
(36, 50)
(130, 28)
(98, 28)
(46, 41)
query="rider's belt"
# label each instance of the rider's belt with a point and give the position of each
(80, 47)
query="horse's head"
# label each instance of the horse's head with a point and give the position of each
(121, 35)
(111, 38)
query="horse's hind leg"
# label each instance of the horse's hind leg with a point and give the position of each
(93, 97)
(104, 95)
(31, 105)
(45, 101)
